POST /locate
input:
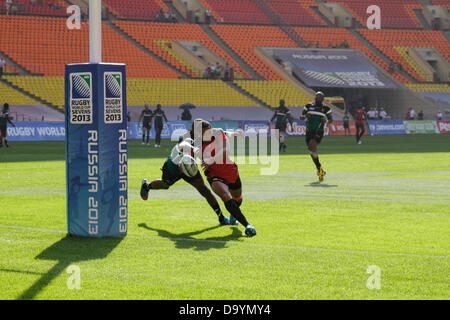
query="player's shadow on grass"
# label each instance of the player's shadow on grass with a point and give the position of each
(67, 251)
(318, 184)
(186, 240)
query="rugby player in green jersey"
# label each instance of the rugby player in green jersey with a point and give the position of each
(316, 115)
(146, 117)
(282, 114)
(172, 172)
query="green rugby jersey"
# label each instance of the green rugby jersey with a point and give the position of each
(158, 116)
(317, 113)
(282, 115)
(4, 117)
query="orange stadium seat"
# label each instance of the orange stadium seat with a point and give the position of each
(42, 7)
(136, 9)
(150, 35)
(44, 45)
(243, 40)
(238, 11)
(297, 12)
(335, 37)
(387, 39)
(395, 14)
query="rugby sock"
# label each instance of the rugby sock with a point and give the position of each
(234, 210)
(148, 138)
(217, 210)
(143, 137)
(316, 162)
(239, 201)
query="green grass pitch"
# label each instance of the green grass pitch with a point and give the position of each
(384, 203)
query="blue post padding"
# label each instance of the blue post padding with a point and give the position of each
(96, 149)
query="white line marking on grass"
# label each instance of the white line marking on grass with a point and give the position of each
(260, 245)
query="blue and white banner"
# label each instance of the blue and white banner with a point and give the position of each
(340, 68)
(36, 131)
(378, 127)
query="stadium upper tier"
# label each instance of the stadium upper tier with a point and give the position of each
(39, 7)
(238, 11)
(297, 12)
(44, 45)
(136, 9)
(244, 39)
(388, 41)
(153, 34)
(395, 13)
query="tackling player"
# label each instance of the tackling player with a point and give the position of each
(316, 115)
(282, 114)
(172, 172)
(360, 121)
(146, 116)
(4, 119)
(221, 172)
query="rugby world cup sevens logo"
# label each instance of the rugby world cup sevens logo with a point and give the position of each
(113, 84)
(81, 86)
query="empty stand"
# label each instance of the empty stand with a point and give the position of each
(270, 92)
(386, 40)
(40, 7)
(150, 35)
(45, 45)
(238, 11)
(171, 92)
(395, 14)
(296, 12)
(244, 39)
(136, 9)
(11, 96)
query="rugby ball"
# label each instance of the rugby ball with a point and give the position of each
(188, 166)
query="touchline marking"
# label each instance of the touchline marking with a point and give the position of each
(252, 244)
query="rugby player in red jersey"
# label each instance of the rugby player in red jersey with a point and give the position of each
(360, 124)
(221, 172)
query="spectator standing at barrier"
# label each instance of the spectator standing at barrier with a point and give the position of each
(2, 66)
(186, 115)
(9, 5)
(208, 16)
(383, 114)
(158, 116)
(439, 115)
(346, 119)
(412, 114)
(420, 115)
(4, 119)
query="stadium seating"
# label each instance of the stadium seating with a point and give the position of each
(50, 89)
(11, 96)
(297, 12)
(170, 92)
(136, 9)
(395, 14)
(386, 39)
(244, 39)
(425, 87)
(336, 37)
(270, 92)
(45, 45)
(41, 7)
(150, 35)
(238, 11)
(444, 3)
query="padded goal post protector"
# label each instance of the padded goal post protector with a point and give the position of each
(96, 150)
